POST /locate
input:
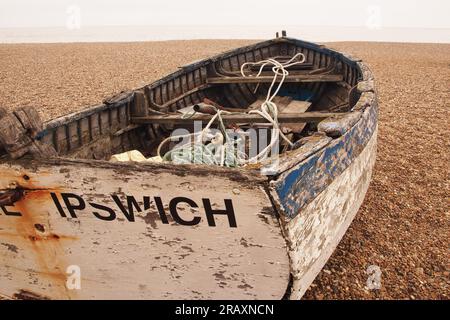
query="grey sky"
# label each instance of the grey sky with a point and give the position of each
(386, 13)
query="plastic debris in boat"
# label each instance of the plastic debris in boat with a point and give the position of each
(133, 156)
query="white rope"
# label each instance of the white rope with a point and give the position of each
(225, 153)
(269, 109)
(220, 151)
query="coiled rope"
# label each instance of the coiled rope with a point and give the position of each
(222, 150)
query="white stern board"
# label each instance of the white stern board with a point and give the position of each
(144, 258)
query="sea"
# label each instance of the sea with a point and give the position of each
(180, 32)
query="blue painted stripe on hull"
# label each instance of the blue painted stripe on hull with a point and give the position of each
(299, 186)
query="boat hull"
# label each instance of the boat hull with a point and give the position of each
(315, 233)
(90, 229)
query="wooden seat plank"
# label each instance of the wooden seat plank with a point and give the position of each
(269, 79)
(300, 117)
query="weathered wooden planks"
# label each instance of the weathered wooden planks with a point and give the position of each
(303, 66)
(139, 231)
(298, 186)
(92, 133)
(19, 134)
(314, 234)
(281, 102)
(188, 86)
(295, 107)
(329, 178)
(319, 197)
(234, 118)
(308, 146)
(269, 79)
(338, 125)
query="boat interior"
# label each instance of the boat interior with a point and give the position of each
(322, 87)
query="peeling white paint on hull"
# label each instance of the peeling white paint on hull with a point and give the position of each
(316, 231)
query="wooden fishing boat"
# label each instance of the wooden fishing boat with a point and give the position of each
(74, 225)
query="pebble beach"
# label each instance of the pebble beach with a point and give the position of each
(403, 226)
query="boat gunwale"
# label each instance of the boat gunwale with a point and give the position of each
(344, 57)
(236, 174)
(128, 96)
(349, 59)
